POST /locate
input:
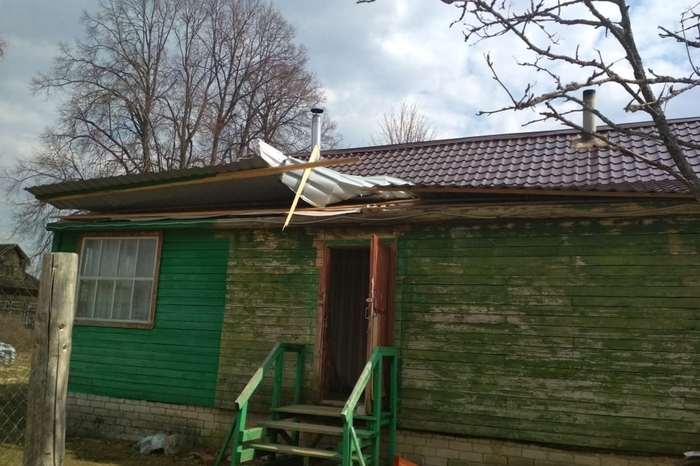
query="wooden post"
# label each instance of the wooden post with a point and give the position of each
(45, 432)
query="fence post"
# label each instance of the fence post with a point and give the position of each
(45, 432)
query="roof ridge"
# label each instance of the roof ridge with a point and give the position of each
(497, 136)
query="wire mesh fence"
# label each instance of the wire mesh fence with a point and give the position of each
(18, 294)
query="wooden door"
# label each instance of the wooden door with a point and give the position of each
(379, 303)
(380, 313)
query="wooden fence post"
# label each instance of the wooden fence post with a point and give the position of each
(45, 432)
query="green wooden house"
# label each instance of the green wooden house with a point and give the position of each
(539, 297)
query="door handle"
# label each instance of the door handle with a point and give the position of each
(369, 308)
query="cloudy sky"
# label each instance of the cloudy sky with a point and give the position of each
(368, 57)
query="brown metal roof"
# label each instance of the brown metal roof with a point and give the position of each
(537, 163)
(540, 160)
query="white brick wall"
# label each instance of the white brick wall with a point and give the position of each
(90, 415)
(97, 416)
(428, 449)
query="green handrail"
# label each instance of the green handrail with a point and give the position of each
(373, 367)
(275, 358)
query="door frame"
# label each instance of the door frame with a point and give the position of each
(321, 362)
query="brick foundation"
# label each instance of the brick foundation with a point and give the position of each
(98, 416)
(443, 450)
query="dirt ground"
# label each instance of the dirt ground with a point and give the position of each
(92, 452)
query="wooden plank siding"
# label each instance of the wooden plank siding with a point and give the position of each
(271, 297)
(571, 332)
(176, 361)
(581, 333)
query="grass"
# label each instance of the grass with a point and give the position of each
(13, 331)
(14, 387)
(92, 452)
(14, 392)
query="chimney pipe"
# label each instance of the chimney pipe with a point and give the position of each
(316, 127)
(589, 120)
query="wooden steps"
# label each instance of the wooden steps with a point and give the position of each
(311, 410)
(321, 420)
(314, 431)
(302, 451)
(324, 429)
(319, 410)
(296, 451)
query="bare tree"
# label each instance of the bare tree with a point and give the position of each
(158, 85)
(3, 46)
(406, 125)
(548, 31)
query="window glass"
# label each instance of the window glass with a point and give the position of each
(142, 299)
(146, 258)
(122, 300)
(90, 257)
(86, 298)
(127, 258)
(116, 279)
(109, 258)
(103, 299)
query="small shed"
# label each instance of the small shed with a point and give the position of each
(18, 288)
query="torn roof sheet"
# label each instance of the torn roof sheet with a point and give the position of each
(326, 186)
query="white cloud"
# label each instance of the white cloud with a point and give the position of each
(369, 57)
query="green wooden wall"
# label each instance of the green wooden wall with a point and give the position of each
(581, 333)
(177, 360)
(271, 297)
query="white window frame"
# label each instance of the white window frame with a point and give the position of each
(82, 278)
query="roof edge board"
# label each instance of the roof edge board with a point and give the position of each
(242, 174)
(538, 192)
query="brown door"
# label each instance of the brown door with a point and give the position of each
(355, 314)
(380, 312)
(379, 303)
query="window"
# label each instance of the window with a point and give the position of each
(118, 274)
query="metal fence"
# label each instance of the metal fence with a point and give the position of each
(17, 308)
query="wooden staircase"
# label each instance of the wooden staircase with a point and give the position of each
(299, 430)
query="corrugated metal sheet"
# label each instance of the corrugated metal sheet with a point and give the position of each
(325, 186)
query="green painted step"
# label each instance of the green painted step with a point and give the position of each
(301, 451)
(319, 410)
(311, 410)
(313, 428)
(298, 451)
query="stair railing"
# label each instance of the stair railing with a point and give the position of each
(275, 358)
(373, 370)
